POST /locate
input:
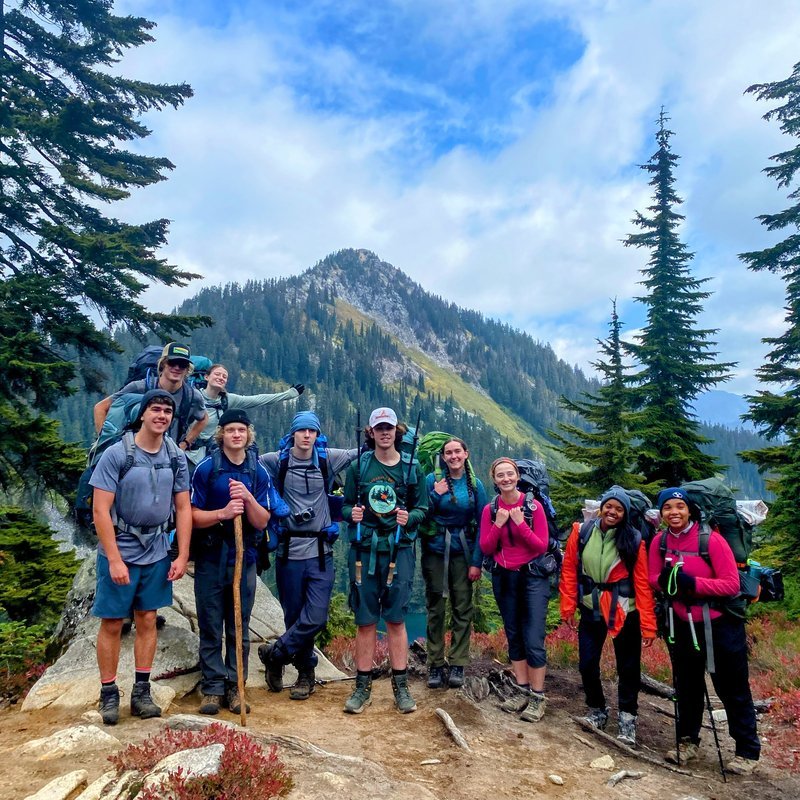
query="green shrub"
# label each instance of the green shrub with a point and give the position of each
(22, 655)
(341, 622)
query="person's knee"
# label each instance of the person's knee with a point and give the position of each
(111, 627)
(145, 621)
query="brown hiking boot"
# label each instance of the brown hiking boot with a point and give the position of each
(306, 683)
(233, 703)
(210, 704)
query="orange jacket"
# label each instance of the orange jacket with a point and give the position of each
(568, 587)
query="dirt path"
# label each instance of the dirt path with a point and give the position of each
(510, 759)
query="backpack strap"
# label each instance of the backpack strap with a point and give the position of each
(187, 393)
(130, 451)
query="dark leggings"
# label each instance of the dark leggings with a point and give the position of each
(522, 599)
(628, 651)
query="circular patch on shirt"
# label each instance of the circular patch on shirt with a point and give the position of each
(382, 499)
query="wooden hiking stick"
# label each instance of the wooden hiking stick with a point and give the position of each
(237, 614)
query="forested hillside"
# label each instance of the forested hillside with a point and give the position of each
(359, 333)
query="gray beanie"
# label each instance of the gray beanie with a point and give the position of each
(620, 495)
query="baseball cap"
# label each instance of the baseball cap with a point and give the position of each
(176, 352)
(385, 416)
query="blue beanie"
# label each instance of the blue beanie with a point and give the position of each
(672, 493)
(617, 493)
(305, 420)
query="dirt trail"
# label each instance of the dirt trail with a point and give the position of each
(510, 759)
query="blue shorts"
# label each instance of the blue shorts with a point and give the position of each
(148, 590)
(373, 600)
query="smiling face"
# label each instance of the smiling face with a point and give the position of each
(612, 514)
(157, 417)
(505, 477)
(455, 456)
(175, 369)
(384, 435)
(218, 378)
(676, 514)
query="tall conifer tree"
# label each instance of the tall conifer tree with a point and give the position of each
(606, 449)
(777, 415)
(676, 360)
(66, 115)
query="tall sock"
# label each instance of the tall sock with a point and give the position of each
(143, 675)
(396, 672)
(109, 682)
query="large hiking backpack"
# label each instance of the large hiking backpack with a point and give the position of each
(145, 367)
(428, 449)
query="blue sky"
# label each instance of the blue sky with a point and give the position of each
(488, 148)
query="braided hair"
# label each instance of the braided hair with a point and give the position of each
(469, 472)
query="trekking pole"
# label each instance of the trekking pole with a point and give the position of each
(714, 728)
(237, 614)
(358, 496)
(670, 645)
(399, 530)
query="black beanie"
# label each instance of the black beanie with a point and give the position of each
(234, 415)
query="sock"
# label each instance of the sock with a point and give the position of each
(364, 673)
(142, 675)
(525, 688)
(109, 682)
(396, 672)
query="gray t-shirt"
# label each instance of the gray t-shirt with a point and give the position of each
(142, 498)
(197, 405)
(305, 488)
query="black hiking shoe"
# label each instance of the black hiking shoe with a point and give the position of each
(142, 704)
(109, 704)
(456, 678)
(273, 670)
(306, 683)
(435, 677)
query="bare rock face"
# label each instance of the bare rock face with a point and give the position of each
(193, 763)
(73, 681)
(69, 741)
(61, 788)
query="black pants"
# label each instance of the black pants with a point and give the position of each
(731, 680)
(628, 651)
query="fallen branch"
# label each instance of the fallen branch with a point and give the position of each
(584, 741)
(452, 729)
(589, 728)
(656, 687)
(624, 773)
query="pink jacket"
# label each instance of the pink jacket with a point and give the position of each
(513, 545)
(716, 580)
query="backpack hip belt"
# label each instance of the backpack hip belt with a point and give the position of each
(620, 588)
(144, 533)
(286, 539)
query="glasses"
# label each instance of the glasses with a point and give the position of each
(178, 362)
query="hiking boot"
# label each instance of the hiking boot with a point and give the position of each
(535, 709)
(210, 704)
(306, 683)
(688, 752)
(740, 765)
(597, 718)
(109, 704)
(233, 702)
(455, 680)
(435, 677)
(402, 697)
(273, 670)
(626, 728)
(361, 696)
(517, 702)
(142, 704)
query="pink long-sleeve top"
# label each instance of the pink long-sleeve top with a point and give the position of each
(716, 580)
(512, 545)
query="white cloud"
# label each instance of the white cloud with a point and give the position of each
(269, 180)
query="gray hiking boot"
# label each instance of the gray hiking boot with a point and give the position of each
(142, 704)
(210, 704)
(273, 669)
(435, 677)
(597, 718)
(688, 752)
(402, 697)
(535, 709)
(455, 679)
(306, 683)
(233, 701)
(109, 704)
(627, 728)
(361, 696)
(517, 702)
(740, 765)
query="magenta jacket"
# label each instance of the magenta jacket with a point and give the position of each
(716, 580)
(513, 545)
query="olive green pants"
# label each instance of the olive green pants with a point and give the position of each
(460, 604)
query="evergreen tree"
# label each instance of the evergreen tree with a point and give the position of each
(676, 359)
(777, 414)
(606, 448)
(65, 114)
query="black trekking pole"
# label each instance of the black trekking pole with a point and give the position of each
(714, 728)
(401, 504)
(358, 496)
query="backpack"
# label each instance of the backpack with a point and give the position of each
(533, 478)
(82, 506)
(638, 518)
(549, 563)
(199, 376)
(145, 365)
(429, 448)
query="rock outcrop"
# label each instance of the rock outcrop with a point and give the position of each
(73, 680)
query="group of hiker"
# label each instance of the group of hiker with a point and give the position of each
(143, 495)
